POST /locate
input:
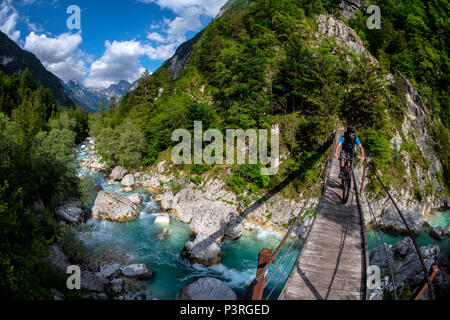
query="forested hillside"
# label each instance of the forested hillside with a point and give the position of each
(37, 169)
(263, 63)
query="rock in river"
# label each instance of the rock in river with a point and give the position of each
(70, 211)
(128, 180)
(391, 221)
(162, 218)
(118, 173)
(203, 250)
(136, 198)
(207, 289)
(138, 271)
(437, 232)
(112, 206)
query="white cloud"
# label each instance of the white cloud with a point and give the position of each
(189, 14)
(8, 20)
(60, 54)
(53, 50)
(208, 7)
(119, 62)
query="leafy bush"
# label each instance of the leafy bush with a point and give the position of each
(377, 144)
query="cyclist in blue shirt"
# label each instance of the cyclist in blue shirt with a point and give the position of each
(347, 142)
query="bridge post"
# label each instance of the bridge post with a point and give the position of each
(264, 257)
(363, 176)
(424, 285)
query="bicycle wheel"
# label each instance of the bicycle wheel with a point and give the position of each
(346, 187)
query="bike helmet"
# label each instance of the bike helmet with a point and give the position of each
(350, 129)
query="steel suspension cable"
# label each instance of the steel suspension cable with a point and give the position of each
(394, 285)
(411, 236)
(296, 237)
(285, 267)
(283, 241)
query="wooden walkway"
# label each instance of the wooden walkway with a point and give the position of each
(332, 263)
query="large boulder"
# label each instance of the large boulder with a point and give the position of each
(391, 221)
(164, 234)
(138, 271)
(128, 180)
(437, 233)
(70, 211)
(136, 198)
(207, 289)
(56, 258)
(118, 173)
(112, 206)
(163, 219)
(405, 261)
(203, 250)
(447, 230)
(117, 285)
(93, 281)
(110, 271)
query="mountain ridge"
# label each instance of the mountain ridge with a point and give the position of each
(13, 59)
(90, 98)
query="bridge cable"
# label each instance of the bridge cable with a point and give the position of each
(374, 220)
(296, 240)
(412, 237)
(261, 274)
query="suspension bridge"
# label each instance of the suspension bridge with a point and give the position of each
(332, 264)
(334, 257)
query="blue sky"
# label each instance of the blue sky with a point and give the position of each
(118, 39)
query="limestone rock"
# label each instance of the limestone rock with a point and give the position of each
(109, 271)
(70, 211)
(116, 285)
(447, 230)
(56, 258)
(437, 232)
(136, 198)
(207, 289)
(118, 173)
(93, 282)
(163, 219)
(344, 35)
(128, 180)
(203, 250)
(405, 261)
(391, 221)
(163, 234)
(112, 206)
(138, 271)
(350, 7)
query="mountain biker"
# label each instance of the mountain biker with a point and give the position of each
(348, 142)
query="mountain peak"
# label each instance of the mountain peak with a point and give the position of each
(90, 98)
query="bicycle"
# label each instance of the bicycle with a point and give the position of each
(346, 179)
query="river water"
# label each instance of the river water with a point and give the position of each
(438, 218)
(138, 241)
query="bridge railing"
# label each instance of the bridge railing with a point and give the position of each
(300, 227)
(377, 292)
(388, 283)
